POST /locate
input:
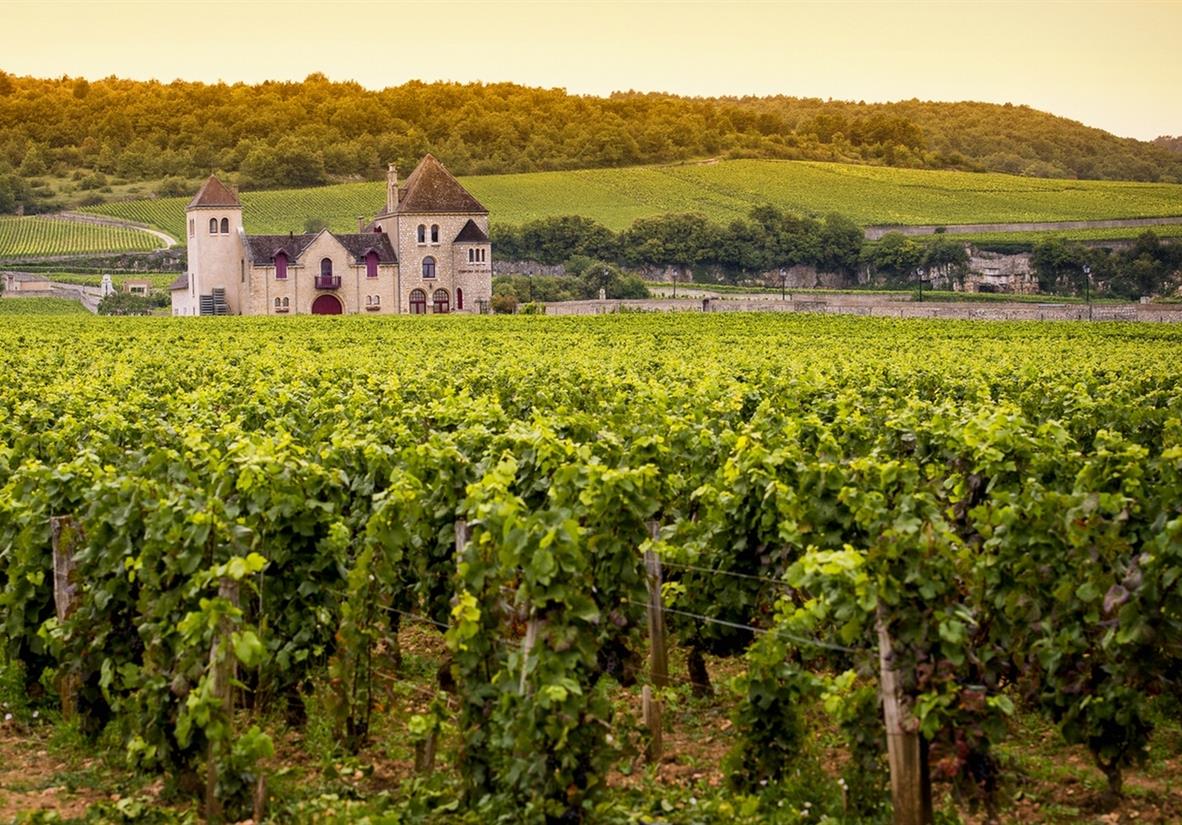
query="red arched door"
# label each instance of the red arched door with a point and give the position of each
(327, 305)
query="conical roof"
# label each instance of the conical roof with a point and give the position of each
(431, 188)
(214, 193)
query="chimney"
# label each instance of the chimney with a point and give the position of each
(360, 224)
(391, 189)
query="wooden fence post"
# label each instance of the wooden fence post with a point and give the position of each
(658, 656)
(911, 790)
(222, 668)
(66, 536)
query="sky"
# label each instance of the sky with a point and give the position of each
(1114, 65)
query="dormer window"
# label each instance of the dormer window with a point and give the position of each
(371, 264)
(281, 265)
(422, 233)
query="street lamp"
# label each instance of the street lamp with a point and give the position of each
(920, 273)
(1087, 270)
(531, 287)
(783, 283)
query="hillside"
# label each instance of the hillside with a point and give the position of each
(64, 139)
(722, 191)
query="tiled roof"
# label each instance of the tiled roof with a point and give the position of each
(181, 282)
(471, 233)
(431, 188)
(360, 243)
(214, 193)
(263, 248)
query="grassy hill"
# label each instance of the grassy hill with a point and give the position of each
(723, 191)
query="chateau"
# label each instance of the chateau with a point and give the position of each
(428, 251)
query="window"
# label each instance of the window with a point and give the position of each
(278, 304)
(377, 300)
(371, 264)
(225, 226)
(191, 224)
(428, 267)
(281, 265)
(434, 233)
(369, 300)
(422, 233)
(481, 255)
(439, 299)
(286, 304)
(326, 268)
(471, 256)
(418, 302)
(459, 298)
(213, 226)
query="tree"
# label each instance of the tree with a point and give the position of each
(840, 245)
(894, 256)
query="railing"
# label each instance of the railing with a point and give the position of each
(328, 281)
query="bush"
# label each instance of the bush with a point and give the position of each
(504, 303)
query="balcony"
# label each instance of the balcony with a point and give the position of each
(328, 281)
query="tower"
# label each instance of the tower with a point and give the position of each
(216, 252)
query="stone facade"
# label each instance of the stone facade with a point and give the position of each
(428, 251)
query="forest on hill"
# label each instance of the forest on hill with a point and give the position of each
(91, 134)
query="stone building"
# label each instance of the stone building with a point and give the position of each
(426, 252)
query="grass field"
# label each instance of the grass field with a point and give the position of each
(723, 191)
(42, 235)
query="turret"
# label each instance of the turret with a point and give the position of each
(215, 246)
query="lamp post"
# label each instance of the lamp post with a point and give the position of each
(783, 283)
(920, 273)
(1087, 270)
(531, 287)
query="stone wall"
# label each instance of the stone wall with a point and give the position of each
(878, 306)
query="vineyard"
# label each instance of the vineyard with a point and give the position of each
(723, 191)
(49, 236)
(38, 306)
(635, 568)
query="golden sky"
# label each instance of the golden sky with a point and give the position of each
(1115, 65)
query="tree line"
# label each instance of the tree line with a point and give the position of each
(751, 250)
(277, 134)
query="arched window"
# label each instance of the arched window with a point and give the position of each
(434, 233)
(287, 303)
(369, 300)
(281, 265)
(278, 304)
(326, 267)
(459, 298)
(191, 232)
(225, 226)
(371, 264)
(377, 300)
(213, 226)
(418, 302)
(428, 267)
(422, 233)
(439, 299)
(471, 256)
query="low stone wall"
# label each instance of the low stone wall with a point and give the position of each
(881, 307)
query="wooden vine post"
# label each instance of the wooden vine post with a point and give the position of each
(911, 790)
(222, 668)
(658, 657)
(66, 537)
